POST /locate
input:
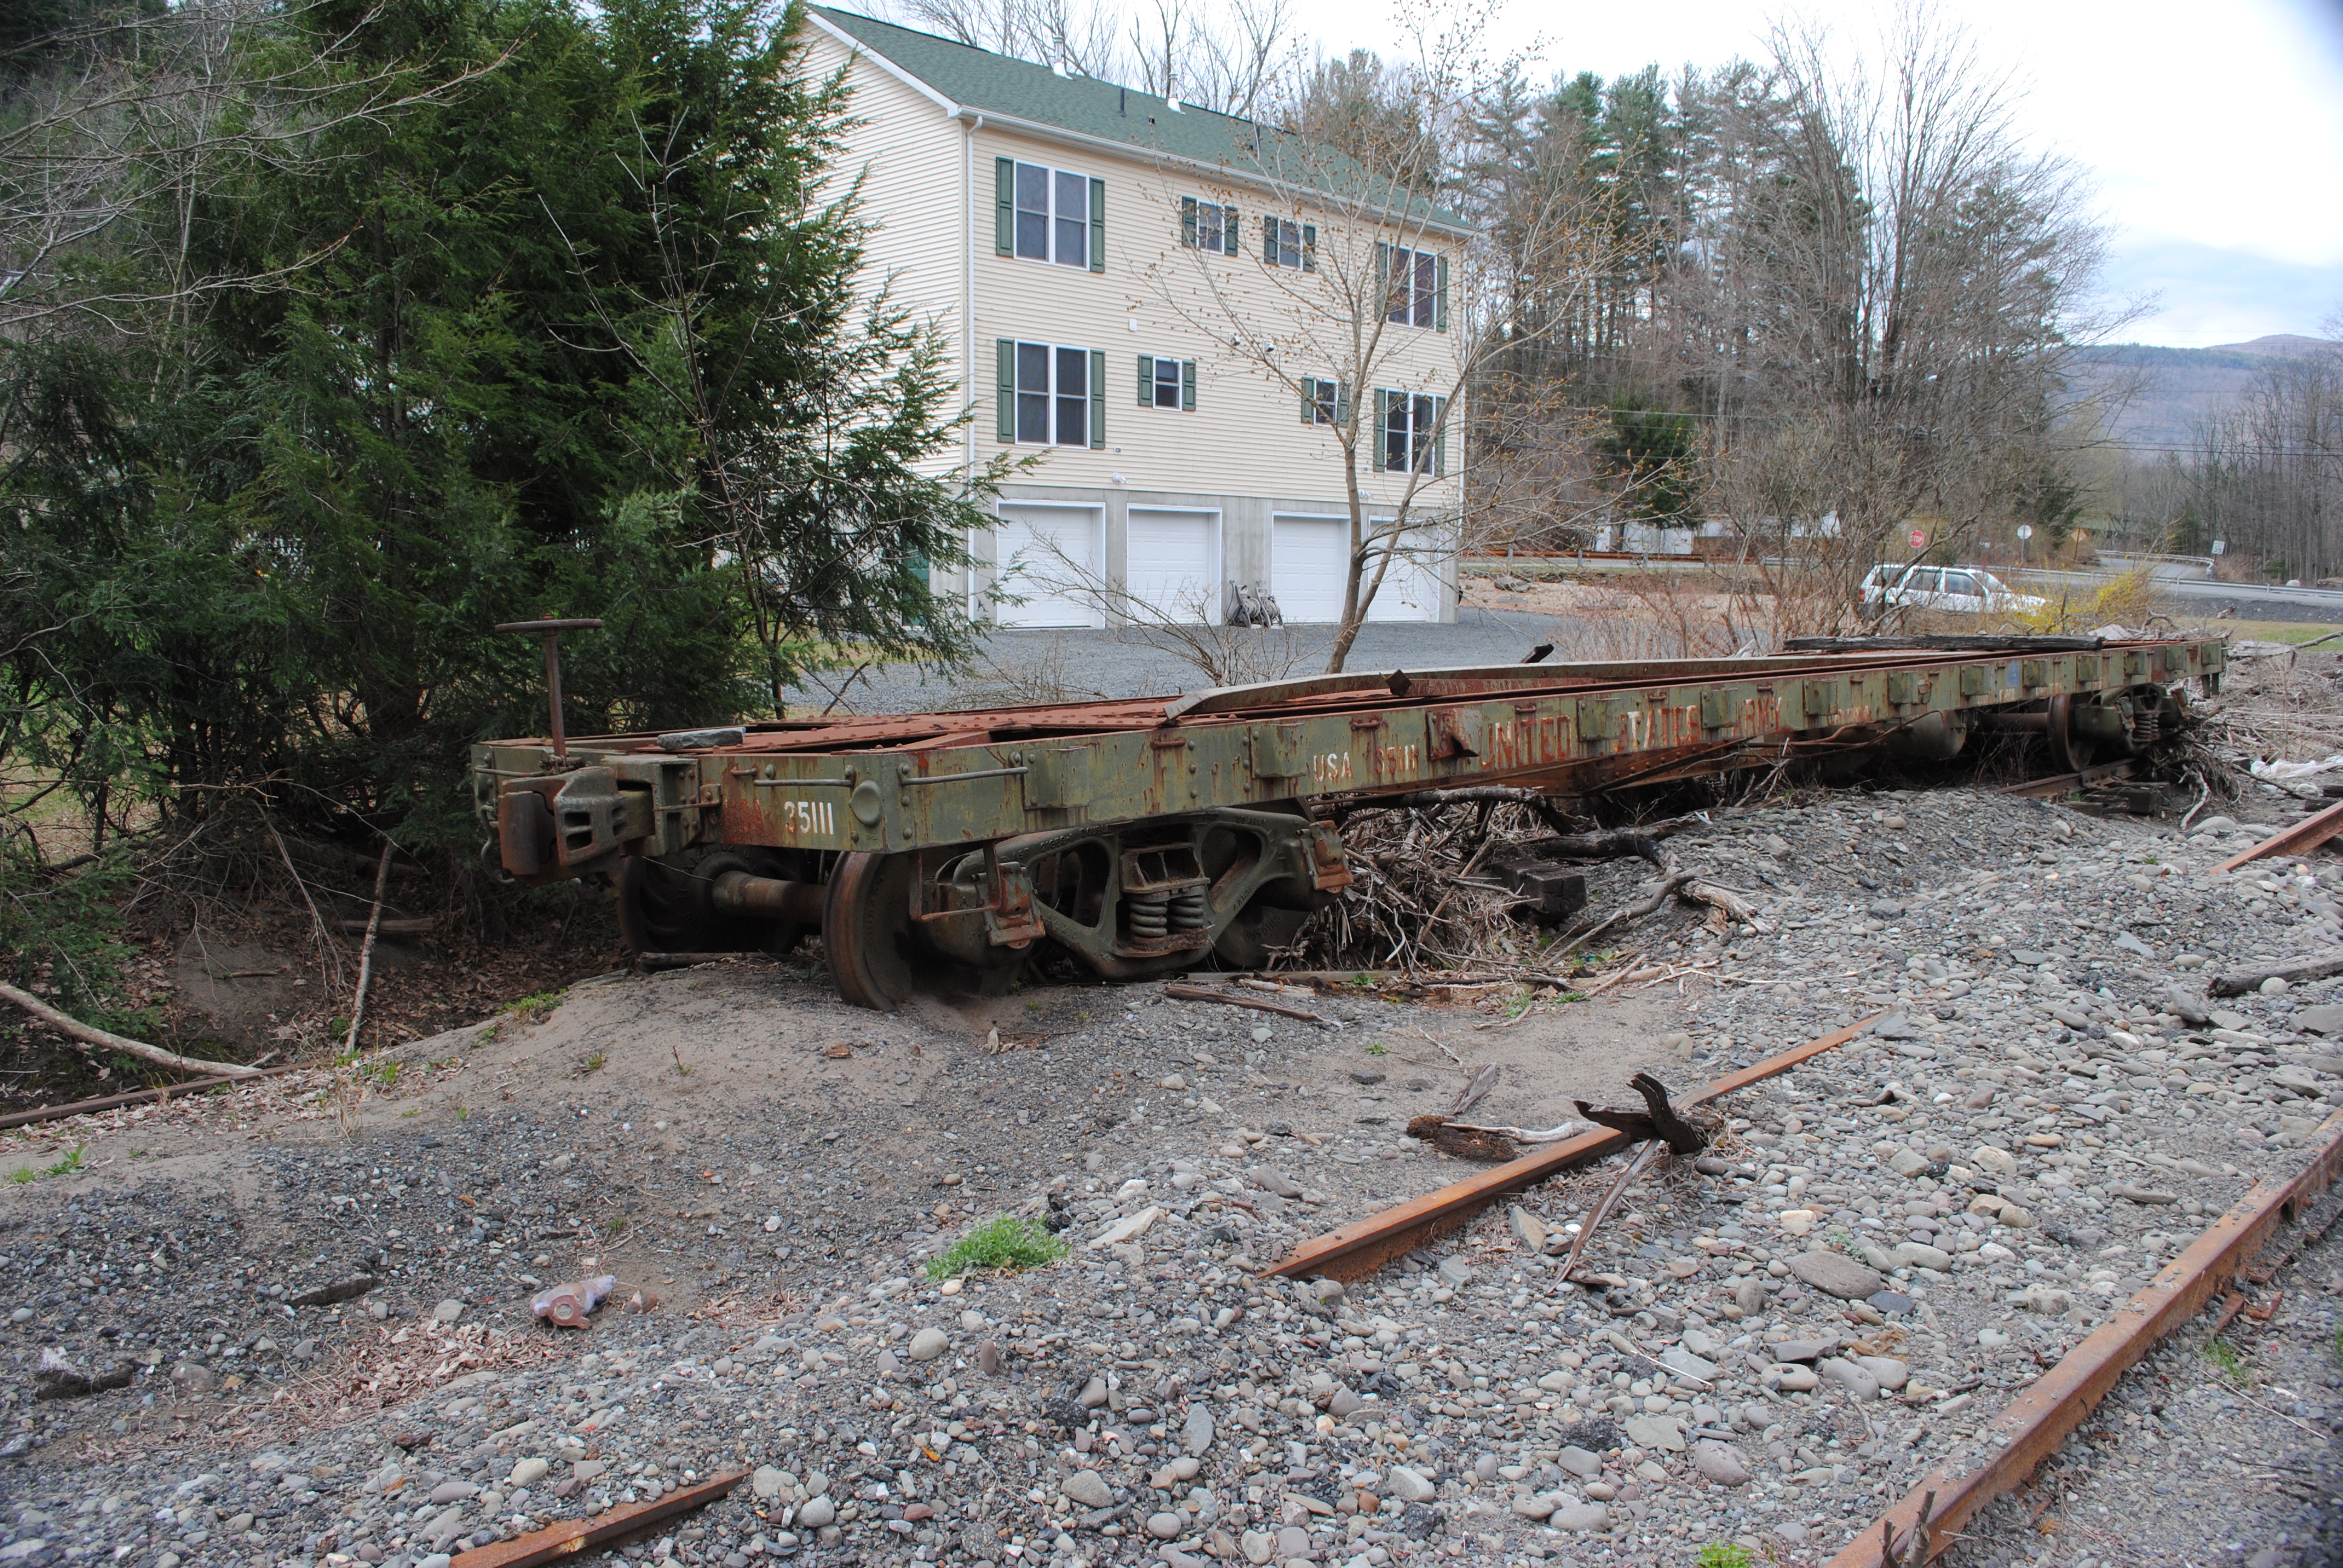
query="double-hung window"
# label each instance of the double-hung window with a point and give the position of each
(1208, 225)
(1042, 214)
(1166, 382)
(1415, 286)
(1050, 395)
(1324, 402)
(1414, 441)
(1286, 242)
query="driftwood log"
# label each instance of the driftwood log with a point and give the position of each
(2292, 970)
(1658, 1119)
(1487, 1144)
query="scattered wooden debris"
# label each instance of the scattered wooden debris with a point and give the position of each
(1200, 993)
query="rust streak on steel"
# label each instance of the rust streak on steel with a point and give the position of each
(571, 1536)
(2030, 1429)
(1361, 1247)
(2060, 783)
(2304, 835)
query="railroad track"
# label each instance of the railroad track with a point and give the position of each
(2005, 1454)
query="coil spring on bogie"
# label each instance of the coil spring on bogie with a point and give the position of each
(1150, 914)
(2147, 727)
(1190, 912)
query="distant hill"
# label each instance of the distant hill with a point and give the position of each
(2179, 387)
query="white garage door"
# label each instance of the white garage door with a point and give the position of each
(1046, 553)
(1411, 589)
(1308, 560)
(1171, 569)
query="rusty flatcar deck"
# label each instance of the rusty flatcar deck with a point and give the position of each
(1029, 785)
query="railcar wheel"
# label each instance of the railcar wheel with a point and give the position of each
(866, 930)
(2070, 753)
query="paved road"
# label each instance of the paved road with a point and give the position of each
(2199, 596)
(1074, 666)
(2262, 601)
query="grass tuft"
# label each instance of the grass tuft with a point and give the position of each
(1004, 1243)
(1723, 1555)
(64, 1167)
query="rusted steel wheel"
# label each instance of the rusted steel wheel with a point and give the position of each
(2069, 751)
(866, 930)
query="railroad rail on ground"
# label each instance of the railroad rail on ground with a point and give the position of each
(1161, 834)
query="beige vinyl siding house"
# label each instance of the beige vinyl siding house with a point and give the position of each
(1087, 249)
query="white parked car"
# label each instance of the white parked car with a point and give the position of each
(1963, 590)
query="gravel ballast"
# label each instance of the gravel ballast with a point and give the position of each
(1898, 1236)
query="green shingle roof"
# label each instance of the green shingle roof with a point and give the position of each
(978, 79)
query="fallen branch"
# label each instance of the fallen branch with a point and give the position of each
(1643, 1157)
(1668, 886)
(330, 962)
(1732, 904)
(1628, 969)
(1526, 1135)
(395, 926)
(1484, 1078)
(89, 1034)
(1658, 1119)
(365, 954)
(1463, 1141)
(1199, 993)
(2290, 972)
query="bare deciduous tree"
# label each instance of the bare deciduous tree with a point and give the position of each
(1880, 288)
(1374, 306)
(1222, 58)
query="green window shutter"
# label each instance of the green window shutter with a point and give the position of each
(1098, 226)
(1341, 403)
(1269, 240)
(1187, 386)
(1440, 441)
(1309, 399)
(1382, 294)
(1098, 399)
(1382, 444)
(1309, 248)
(1146, 381)
(1006, 348)
(1440, 297)
(1188, 222)
(1004, 205)
(1231, 231)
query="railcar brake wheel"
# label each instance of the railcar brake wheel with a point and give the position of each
(2069, 751)
(866, 929)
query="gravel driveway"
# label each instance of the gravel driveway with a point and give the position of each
(1077, 666)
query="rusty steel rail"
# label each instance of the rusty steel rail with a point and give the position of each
(2030, 1429)
(1361, 1247)
(571, 1536)
(41, 1113)
(2060, 783)
(2301, 839)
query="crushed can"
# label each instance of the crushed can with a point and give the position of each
(566, 1305)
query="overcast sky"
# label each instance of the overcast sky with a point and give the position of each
(2215, 131)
